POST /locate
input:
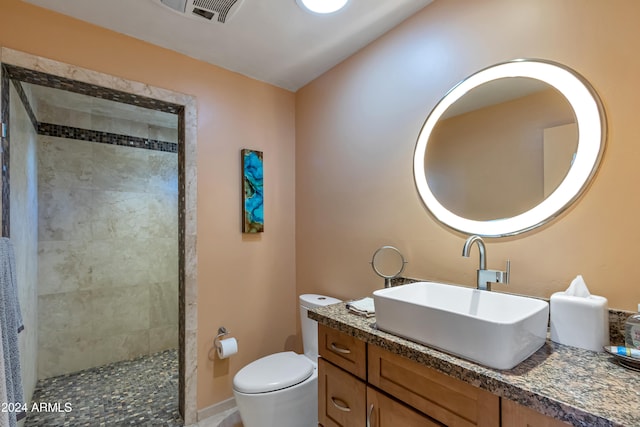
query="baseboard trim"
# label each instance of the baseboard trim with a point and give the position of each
(218, 408)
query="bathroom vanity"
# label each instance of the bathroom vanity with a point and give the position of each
(367, 377)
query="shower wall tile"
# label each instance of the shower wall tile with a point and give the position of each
(162, 338)
(164, 260)
(65, 315)
(22, 226)
(120, 215)
(63, 266)
(162, 216)
(163, 298)
(162, 133)
(108, 254)
(134, 215)
(119, 126)
(64, 214)
(118, 168)
(64, 355)
(122, 262)
(68, 355)
(64, 163)
(124, 346)
(118, 310)
(48, 113)
(163, 172)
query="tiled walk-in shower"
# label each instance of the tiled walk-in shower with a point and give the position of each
(139, 392)
(150, 306)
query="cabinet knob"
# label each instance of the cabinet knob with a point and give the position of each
(369, 415)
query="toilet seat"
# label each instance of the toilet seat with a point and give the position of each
(273, 372)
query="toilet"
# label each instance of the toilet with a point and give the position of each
(281, 390)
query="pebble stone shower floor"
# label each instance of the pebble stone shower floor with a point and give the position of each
(139, 392)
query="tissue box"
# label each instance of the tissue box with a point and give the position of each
(579, 321)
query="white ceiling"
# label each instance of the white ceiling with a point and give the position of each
(270, 40)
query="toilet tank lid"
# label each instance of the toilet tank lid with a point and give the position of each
(273, 372)
(315, 300)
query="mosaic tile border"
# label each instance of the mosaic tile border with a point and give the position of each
(50, 129)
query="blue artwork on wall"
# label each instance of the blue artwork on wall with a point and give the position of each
(253, 199)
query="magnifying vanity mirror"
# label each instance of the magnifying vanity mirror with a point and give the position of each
(388, 263)
(509, 148)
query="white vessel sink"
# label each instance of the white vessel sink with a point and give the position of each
(493, 329)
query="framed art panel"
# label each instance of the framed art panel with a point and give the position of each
(253, 195)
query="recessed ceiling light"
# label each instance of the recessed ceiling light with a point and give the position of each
(322, 6)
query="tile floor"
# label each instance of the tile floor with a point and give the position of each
(139, 392)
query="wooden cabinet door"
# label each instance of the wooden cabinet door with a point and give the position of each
(446, 399)
(383, 411)
(515, 415)
(341, 397)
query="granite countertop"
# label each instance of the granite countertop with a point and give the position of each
(581, 387)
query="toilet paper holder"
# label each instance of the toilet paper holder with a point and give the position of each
(222, 332)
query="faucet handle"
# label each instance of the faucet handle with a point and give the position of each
(501, 276)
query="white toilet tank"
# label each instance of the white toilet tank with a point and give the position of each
(310, 327)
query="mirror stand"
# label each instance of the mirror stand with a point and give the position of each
(388, 263)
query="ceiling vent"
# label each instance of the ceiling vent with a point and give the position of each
(211, 10)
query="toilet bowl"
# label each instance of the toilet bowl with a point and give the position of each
(281, 390)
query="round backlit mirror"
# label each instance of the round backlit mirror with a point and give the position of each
(509, 148)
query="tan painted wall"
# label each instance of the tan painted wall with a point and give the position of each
(242, 281)
(356, 127)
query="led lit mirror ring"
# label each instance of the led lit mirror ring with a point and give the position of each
(591, 125)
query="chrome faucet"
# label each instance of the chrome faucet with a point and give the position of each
(485, 277)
